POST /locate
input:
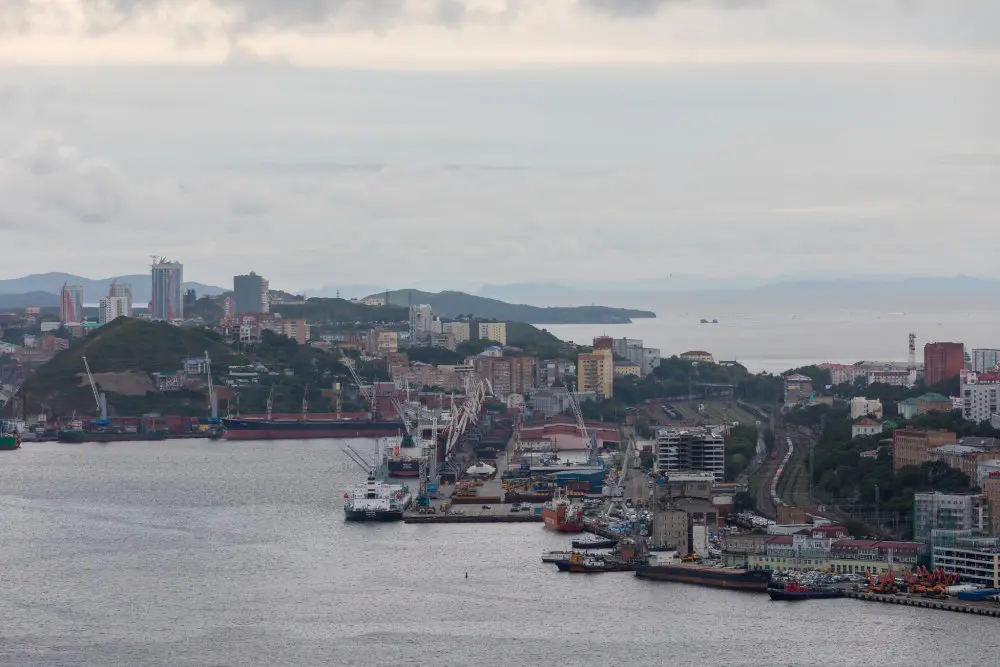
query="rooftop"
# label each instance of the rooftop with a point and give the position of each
(956, 450)
(931, 397)
(866, 421)
(797, 377)
(984, 443)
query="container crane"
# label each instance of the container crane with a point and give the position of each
(99, 398)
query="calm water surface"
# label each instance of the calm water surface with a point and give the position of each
(236, 554)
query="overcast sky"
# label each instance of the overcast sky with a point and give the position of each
(401, 142)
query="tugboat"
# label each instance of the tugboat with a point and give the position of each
(793, 590)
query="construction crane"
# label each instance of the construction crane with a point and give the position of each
(367, 391)
(102, 406)
(618, 488)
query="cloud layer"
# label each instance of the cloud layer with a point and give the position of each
(471, 34)
(316, 177)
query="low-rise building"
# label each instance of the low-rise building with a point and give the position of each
(910, 447)
(627, 369)
(798, 388)
(865, 426)
(697, 355)
(866, 407)
(893, 377)
(804, 550)
(907, 408)
(932, 402)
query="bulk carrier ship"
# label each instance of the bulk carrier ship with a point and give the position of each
(707, 575)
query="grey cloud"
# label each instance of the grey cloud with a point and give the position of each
(249, 16)
(47, 174)
(637, 9)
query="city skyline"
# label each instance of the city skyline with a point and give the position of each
(781, 138)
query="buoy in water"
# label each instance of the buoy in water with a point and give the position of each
(466, 574)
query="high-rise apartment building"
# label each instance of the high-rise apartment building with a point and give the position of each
(459, 330)
(942, 361)
(495, 331)
(595, 372)
(421, 320)
(122, 291)
(71, 304)
(250, 294)
(687, 450)
(296, 329)
(113, 307)
(167, 302)
(980, 394)
(984, 360)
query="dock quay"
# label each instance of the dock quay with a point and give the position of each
(601, 531)
(472, 518)
(962, 606)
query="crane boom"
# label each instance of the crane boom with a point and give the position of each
(93, 388)
(367, 392)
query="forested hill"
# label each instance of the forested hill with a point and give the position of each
(458, 304)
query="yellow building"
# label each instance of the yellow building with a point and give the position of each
(596, 372)
(495, 331)
(622, 370)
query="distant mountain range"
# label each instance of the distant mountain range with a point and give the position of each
(42, 289)
(456, 304)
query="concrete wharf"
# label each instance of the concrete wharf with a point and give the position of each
(962, 606)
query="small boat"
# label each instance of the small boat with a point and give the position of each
(594, 544)
(586, 563)
(556, 556)
(793, 590)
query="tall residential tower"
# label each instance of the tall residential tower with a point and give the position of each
(168, 278)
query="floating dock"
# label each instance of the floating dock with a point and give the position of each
(961, 606)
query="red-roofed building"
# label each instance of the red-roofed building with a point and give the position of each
(822, 548)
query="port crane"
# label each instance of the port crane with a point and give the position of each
(99, 398)
(618, 486)
(367, 391)
(589, 437)
(213, 400)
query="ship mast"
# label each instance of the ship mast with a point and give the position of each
(270, 402)
(305, 403)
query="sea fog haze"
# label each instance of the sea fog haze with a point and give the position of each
(779, 336)
(236, 554)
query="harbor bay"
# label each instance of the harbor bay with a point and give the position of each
(236, 553)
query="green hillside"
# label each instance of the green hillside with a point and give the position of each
(342, 311)
(459, 304)
(123, 345)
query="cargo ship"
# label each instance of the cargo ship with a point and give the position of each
(376, 501)
(253, 428)
(100, 431)
(404, 461)
(707, 575)
(563, 515)
(793, 590)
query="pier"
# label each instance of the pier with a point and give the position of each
(962, 606)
